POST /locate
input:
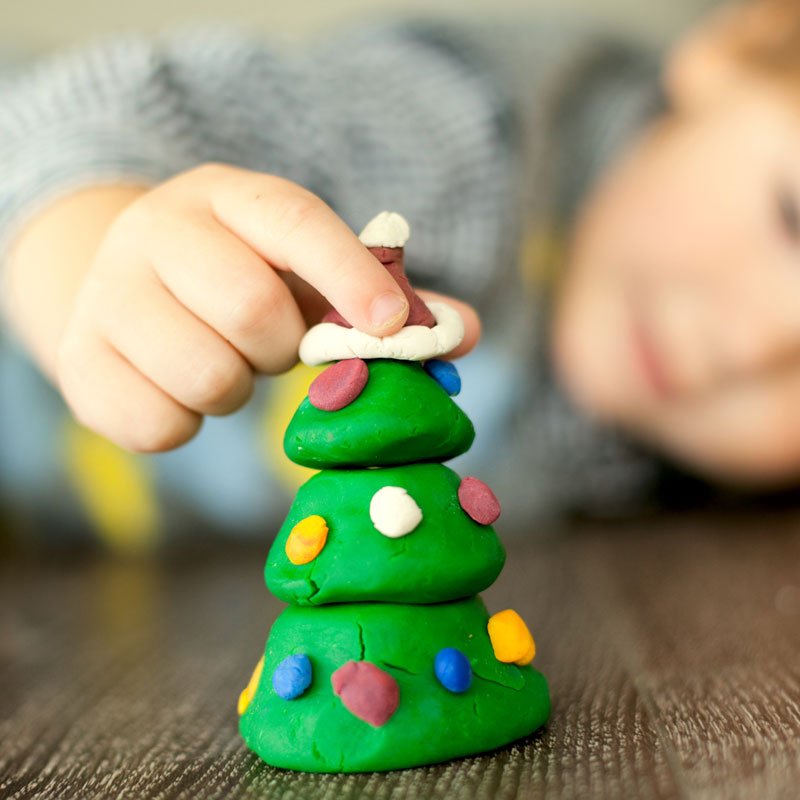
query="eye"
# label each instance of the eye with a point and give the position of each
(788, 213)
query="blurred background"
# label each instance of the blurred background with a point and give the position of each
(37, 27)
(41, 25)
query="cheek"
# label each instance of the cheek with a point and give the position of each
(617, 251)
(666, 234)
(591, 338)
(747, 434)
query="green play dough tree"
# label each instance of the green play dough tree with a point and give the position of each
(383, 603)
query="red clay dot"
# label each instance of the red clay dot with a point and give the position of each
(478, 500)
(366, 691)
(339, 384)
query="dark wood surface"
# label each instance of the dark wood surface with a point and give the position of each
(672, 647)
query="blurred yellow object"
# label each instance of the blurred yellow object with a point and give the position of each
(247, 693)
(541, 256)
(511, 640)
(115, 487)
(287, 392)
(307, 539)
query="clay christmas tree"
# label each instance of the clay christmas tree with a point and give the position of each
(386, 658)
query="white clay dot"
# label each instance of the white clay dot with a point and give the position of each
(393, 512)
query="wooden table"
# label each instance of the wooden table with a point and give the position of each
(672, 647)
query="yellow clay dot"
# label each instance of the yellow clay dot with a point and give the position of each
(511, 640)
(247, 693)
(307, 539)
(244, 701)
(529, 654)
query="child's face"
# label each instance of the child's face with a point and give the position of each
(680, 312)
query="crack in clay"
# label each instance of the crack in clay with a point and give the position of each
(315, 587)
(399, 551)
(314, 590)
(316, 752)
(362, 646)
(398, 668)
(496, 683)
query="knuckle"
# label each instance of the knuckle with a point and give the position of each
(218, 380)
(140, 216)
(299, 209)
(145, 428)
(174, 196)
(161, 430)
(210, 170)
(284, 359)
(67, 359)
(66, 349)
(250, 311)
(82, 415)
(74, 401)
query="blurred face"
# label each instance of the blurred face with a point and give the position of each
(679, 317)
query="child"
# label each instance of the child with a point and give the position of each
(175, 215)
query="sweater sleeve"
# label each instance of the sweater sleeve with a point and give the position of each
(108, 113)
(381, 115)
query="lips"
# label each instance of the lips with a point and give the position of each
(651, 363)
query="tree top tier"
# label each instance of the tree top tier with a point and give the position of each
(402, 415)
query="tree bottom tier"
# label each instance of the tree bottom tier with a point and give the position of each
(336, 722)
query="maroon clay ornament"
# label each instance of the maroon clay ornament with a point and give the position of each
(478, 500)
(366, 691)
(339, 384)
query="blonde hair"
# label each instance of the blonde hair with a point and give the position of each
(766, 37)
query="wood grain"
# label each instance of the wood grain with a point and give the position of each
(672, 646)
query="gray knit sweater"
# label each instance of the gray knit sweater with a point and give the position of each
(479, 133)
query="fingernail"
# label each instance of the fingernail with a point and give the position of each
(387, 309)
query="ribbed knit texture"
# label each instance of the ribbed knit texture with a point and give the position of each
(377, 117)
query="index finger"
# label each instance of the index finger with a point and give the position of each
(294, 230)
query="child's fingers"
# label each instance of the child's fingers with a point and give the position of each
(221, 280)
(295, 230)
(115, 400)
(175, 350)
(472, 322)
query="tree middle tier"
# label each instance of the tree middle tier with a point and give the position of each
(401, 416)
(445, 557)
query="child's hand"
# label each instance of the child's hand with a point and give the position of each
(195, 286)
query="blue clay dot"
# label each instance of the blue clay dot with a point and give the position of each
(292, 677)
(445, 374)
(453, 670)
